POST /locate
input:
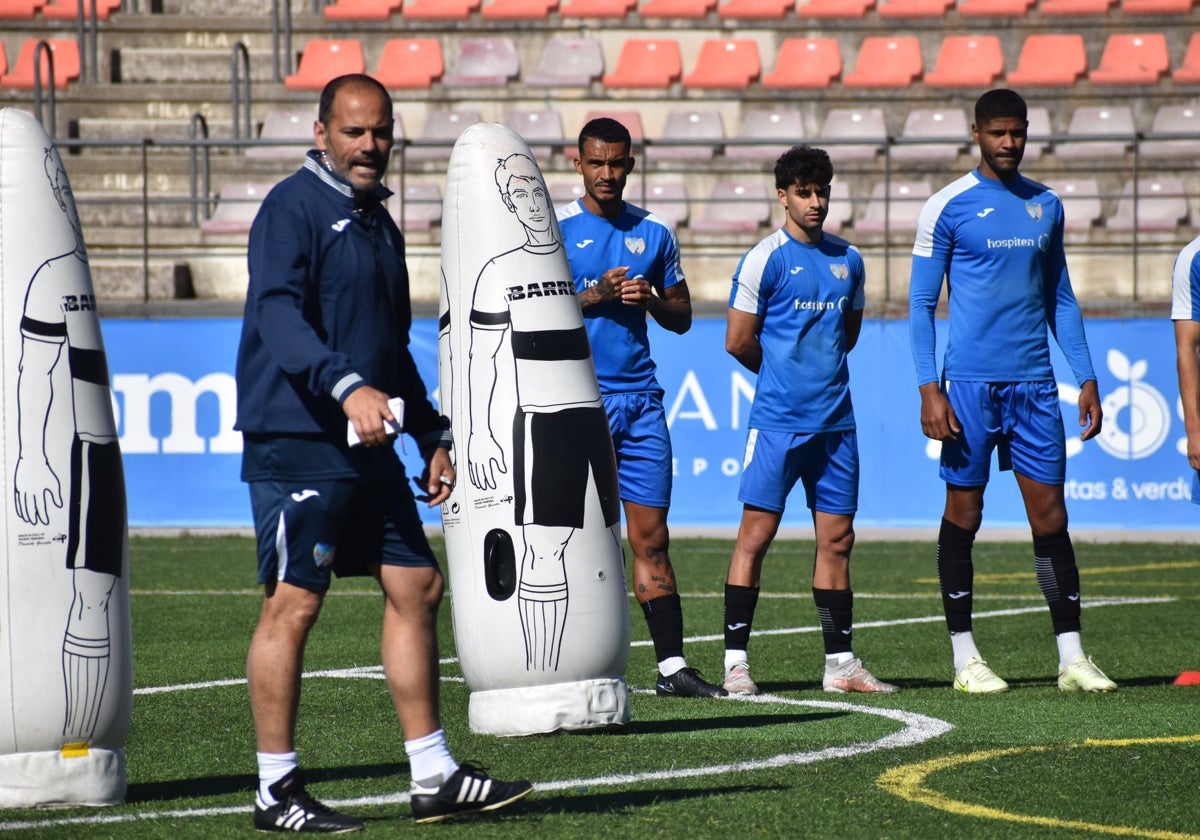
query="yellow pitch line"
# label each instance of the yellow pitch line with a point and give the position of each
(907, 782)
(1018, 577)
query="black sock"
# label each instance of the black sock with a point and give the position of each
(1058, 577)
(956, 575)
(835, 608)
(740, 602)
(664, 617)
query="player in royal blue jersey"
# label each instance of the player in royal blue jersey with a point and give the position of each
(1185, 312)
(997, 239)
(625, 261)
(795, 311)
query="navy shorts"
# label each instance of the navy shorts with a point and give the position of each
(643, 446)
(826, 463)
(310, 529)
(1020, 420)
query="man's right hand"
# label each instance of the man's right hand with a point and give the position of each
(938, 420)
(367, 408)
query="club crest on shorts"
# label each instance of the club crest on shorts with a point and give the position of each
(1034, 210)
(636, 245)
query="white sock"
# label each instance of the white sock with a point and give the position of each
(834, 661)
(963, 645)
(429, 759)
(735, 657)
(1070, 648)
(672, 665)
(271, 768)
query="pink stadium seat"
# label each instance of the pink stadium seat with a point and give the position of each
(1098, 121)
(66, 64)
(1180, 121)
(1132, 59)
(886, 62)
(841, 208)
(913, 8)
(1188, 70)
(1039, 129)
(698, 126)
(755, 9)
(970, 61)
(1082, 207)
(490, 61)
(323, 60)
(1050, 61)
(1162, 205)
(361, 10)
(1157, 7)
(568, 61)
(420, 208)
(994, 8)
(773, 131)
(676, 9)
(443, 126)
(725, 64)
(947, 130)
(69, 9)
(812, 63)
(519, 9)
(596, 8)
(295, 126)
(735, 206)
(237, 205)
(19, 9)
(439, 9)
(565, 190)
(632, 120)
(3, 60)
(854, 9)
(1075, 8)
(410, 63)
(866, 125)
(667, 198)
(894, 209)
(541, 128)
(646, 63)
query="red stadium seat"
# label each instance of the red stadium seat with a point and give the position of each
(755, 9)
(725, 64)
(676, 9)
(596, 8)
(3, 60)
(66, 65)
(1075, 8)
(1157, 7)
(1132, 59)
(323, 60)
(805, 63)
(410, 63)
(489, 61)
(967, 61)
(69, 9)
(646, 63)
(855, 9)
(886, 62)
(361, 10)
(19, 9)
(439, 9)
(568, 61)
(994, 8)
(519, 9)
(1050, 61)
(913, 8)
(1188, 71)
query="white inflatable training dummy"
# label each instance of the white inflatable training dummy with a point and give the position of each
(537, 573)
(66, 659)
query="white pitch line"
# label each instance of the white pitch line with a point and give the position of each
(917, 729)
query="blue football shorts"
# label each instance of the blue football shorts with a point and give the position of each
(1020, 420)
(826, 463)
(638, 424)
(308, 529)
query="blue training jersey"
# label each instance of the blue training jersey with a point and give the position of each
(1000, 247)
(617, 332)
(1185, 284)
(801, 294)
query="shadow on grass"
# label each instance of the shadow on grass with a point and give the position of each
(667, 727)
(197, 788)
(616, 801)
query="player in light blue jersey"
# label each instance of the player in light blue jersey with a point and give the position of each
(1185, 312)
(625, 261)
(997, 239)
(795, 311)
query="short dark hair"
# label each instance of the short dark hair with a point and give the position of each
(606, 130)
(803, 165)
(1000, 103)
(331, 89)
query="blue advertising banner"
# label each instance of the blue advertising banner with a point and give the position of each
(175, 401)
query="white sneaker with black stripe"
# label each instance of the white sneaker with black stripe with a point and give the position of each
(469, 791)
(297, 811)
